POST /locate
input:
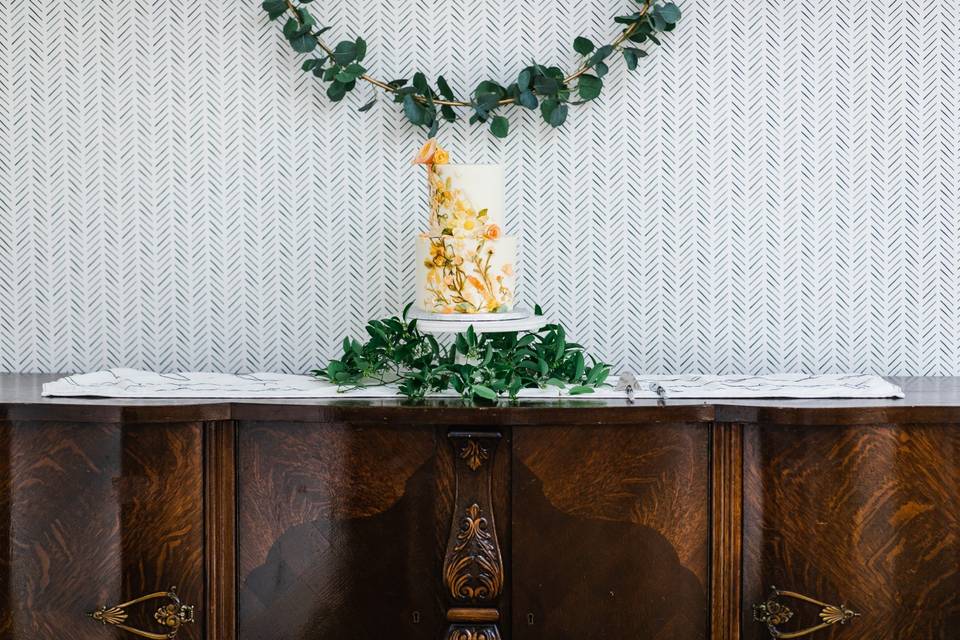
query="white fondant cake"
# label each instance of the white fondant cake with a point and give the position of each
(464, 262)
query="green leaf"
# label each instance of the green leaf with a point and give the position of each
(670, 12)
(484, 392)
(487, 101)
(291, 28)
(274, 8)
(361, 45)
(350, 73)
(630, 19)
(578, 366)
(445, 89)
(524, 79)
(589, 86)
(303, 43)
(413, 110)
(583, 46)
(528, 100)
(420, 83)
(345, 52)
(545, 85)
(557, 382)
(600, 54)
(553, 112)
(336, 91)
(579, 390)
(305, 18)
(368, 106)
(488, 355)
(500, 126)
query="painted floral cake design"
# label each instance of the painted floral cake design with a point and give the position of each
(465, 264)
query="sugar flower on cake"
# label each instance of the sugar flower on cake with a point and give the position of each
(431, 153)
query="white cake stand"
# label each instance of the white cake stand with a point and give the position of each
(520, 319)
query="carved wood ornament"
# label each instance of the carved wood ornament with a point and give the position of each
(473, 573)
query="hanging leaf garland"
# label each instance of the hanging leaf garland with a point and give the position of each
(537, 87)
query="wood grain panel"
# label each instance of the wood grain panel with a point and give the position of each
(868, 517)
(340, 531)
(220, 529)
(726, 516)
(610, 532)
(6, 487)
(99, 514)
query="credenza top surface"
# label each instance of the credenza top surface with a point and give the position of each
(928, 399)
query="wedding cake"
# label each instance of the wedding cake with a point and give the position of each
(464, 260)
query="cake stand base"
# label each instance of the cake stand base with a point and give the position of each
(520, 319)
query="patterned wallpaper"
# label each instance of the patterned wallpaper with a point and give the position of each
(777, 189)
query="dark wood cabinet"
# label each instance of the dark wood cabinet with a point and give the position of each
(96, 515)
(341, 531)
(611, 532)
(865, 517)
(357, 519)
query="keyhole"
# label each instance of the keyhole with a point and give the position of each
(530, 619)
(416, 617)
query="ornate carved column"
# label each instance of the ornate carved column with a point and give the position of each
(473, 567)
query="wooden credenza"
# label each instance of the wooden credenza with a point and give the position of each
(304, 520)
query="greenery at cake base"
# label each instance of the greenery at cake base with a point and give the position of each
(480, 367)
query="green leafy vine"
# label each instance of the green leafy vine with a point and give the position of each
(480, 367)
(537, 87)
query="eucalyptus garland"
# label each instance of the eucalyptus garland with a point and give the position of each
(537, 87)
(480, 367)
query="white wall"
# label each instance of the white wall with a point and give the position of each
(775, 189)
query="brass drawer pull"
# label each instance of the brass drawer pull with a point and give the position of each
(170, 616)
(774, 613)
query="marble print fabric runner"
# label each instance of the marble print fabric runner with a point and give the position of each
(132, 383)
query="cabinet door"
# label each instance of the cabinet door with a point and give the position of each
(341, 531)
(867, 517)
(94, 516)
(610, 532)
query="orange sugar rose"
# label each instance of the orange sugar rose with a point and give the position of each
(492, 232)
(431, 153)
(425, 155)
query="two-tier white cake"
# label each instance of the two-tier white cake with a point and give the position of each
(465, 263)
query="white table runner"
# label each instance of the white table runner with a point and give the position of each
(132, 383)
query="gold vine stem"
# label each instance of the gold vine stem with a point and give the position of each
(619, 40)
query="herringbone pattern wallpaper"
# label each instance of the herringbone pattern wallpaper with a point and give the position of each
(777, 189)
